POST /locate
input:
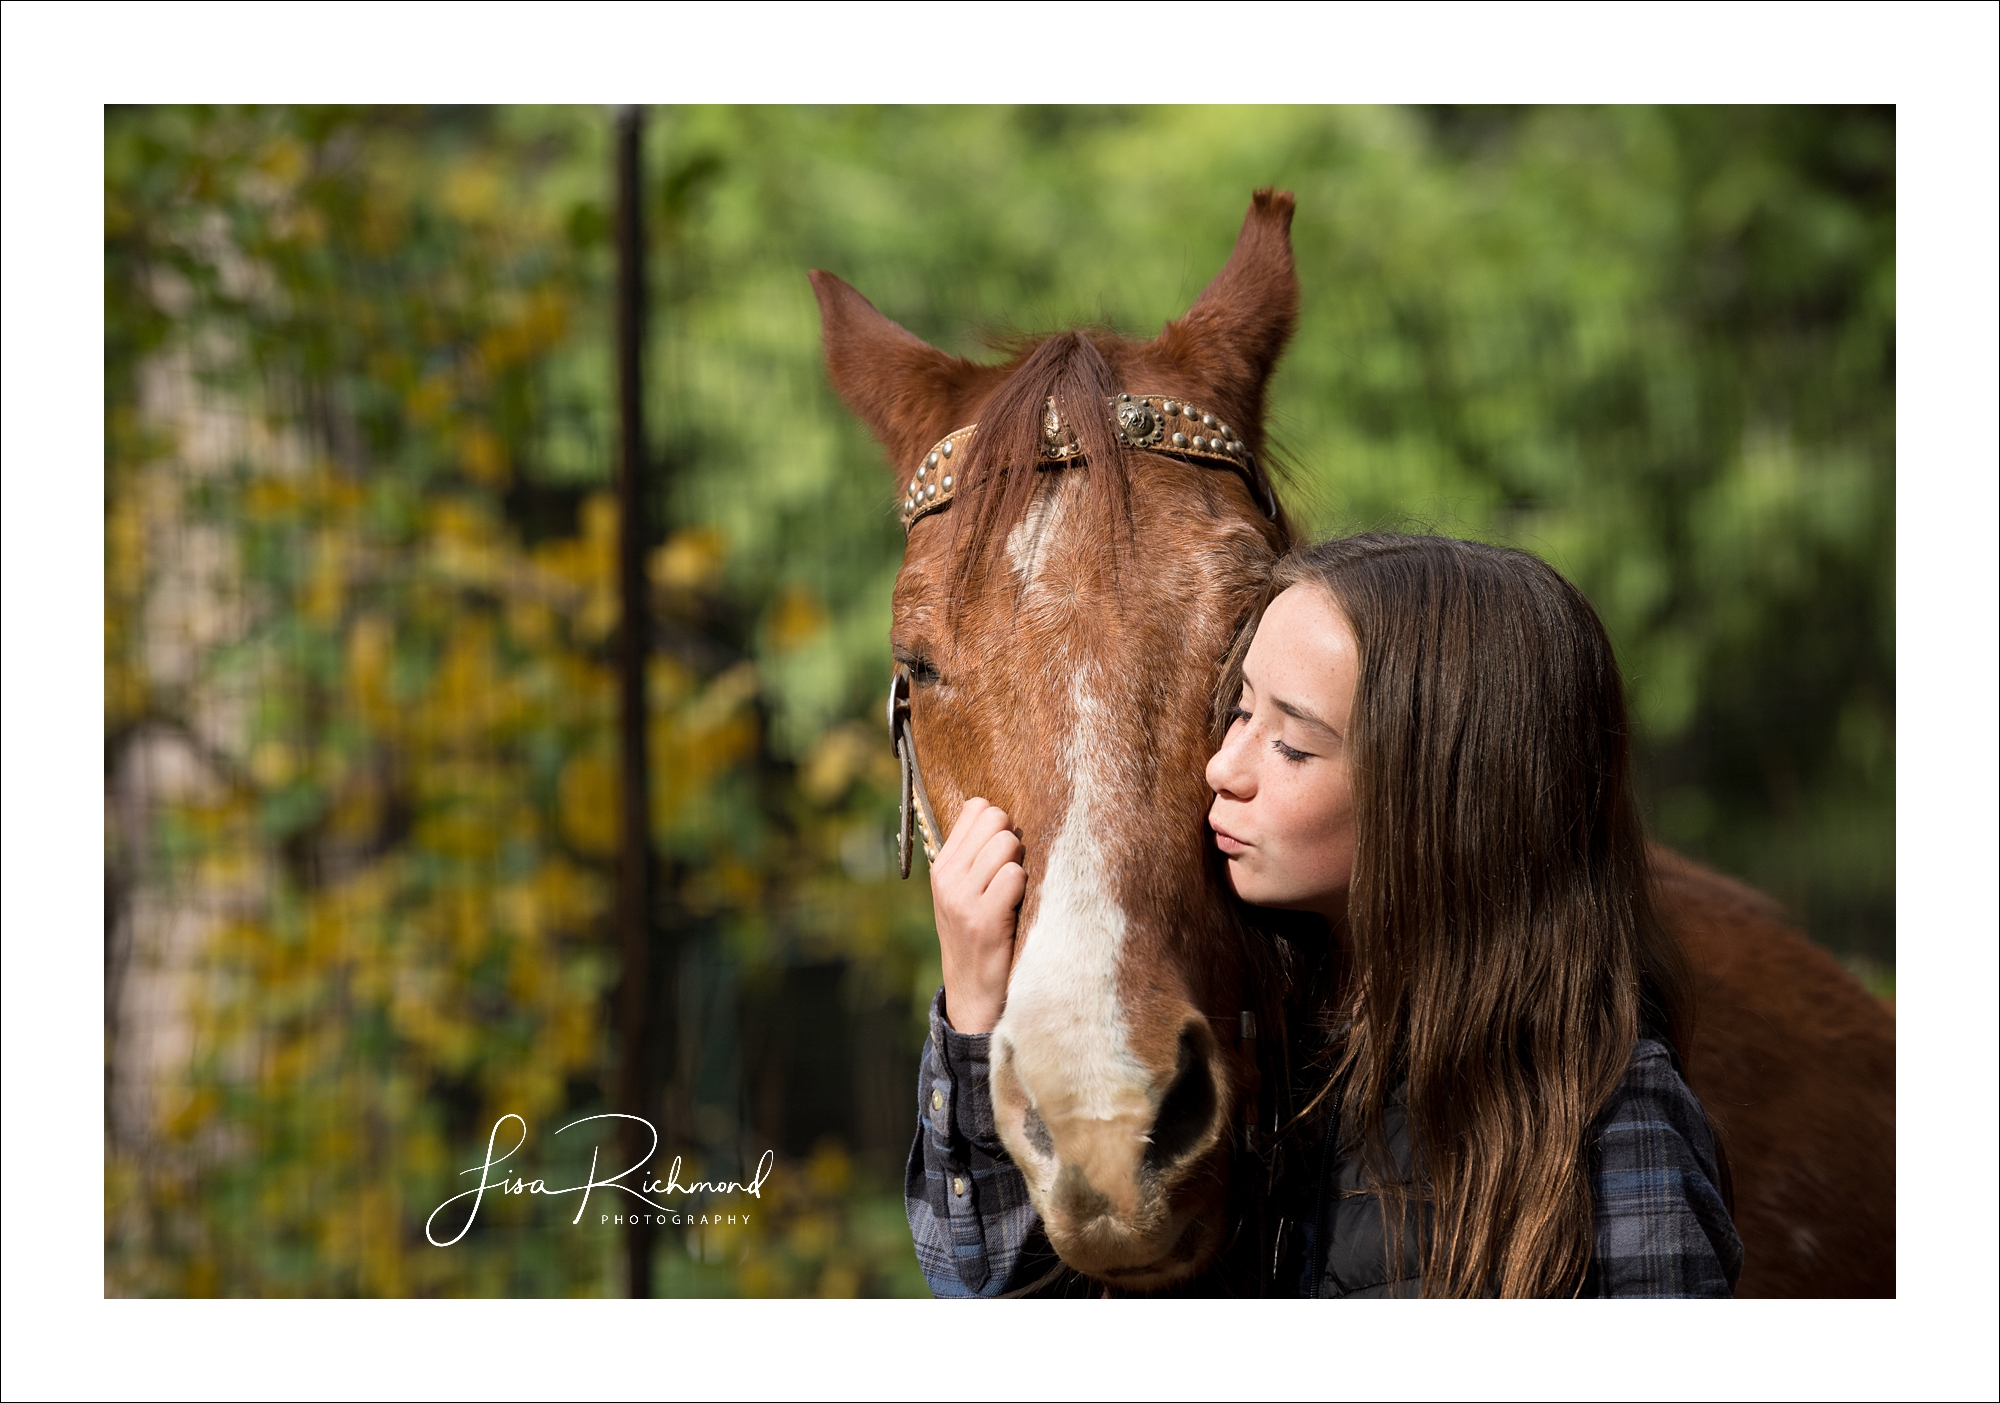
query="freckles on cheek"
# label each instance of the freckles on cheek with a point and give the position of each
(1315, 838)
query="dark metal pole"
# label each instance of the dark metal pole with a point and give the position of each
(635, 846)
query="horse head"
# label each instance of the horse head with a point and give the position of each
(1089, 526)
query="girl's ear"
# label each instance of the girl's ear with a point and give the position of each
(1231, 338)
(910, 394)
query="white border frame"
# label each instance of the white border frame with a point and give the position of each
(63, 63)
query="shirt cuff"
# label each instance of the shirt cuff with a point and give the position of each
(961, 1070)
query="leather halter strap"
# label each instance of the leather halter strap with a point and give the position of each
(905, 745)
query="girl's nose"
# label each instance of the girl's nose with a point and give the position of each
(1229, 773)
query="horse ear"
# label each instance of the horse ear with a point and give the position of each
(909, 393)
(1231, 338)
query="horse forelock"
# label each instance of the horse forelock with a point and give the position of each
(999, 479)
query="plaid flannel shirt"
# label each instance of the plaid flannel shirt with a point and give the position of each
(976, 1232)
(1661, 1229)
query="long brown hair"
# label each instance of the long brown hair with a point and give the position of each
(1503, 941)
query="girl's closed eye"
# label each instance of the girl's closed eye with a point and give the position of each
(1297, 757)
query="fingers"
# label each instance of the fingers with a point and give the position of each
(998, 852)
(978, 822)
(977, 882)
(1008, 886)
(970, 810)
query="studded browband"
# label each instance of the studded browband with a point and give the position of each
(1152, 422)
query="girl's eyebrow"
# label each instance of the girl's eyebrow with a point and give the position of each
(1300, 713)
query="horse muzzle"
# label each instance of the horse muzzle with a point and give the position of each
(1128, 1166)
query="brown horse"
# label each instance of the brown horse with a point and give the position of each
(1060, 631)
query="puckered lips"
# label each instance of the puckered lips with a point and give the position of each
(1227, 841)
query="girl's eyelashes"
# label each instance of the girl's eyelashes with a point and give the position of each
(1297, 757)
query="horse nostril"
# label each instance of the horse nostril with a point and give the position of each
(1076, 1198)
(1187, 1110)
(1038, 1133)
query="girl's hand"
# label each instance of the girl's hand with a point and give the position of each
(976, 888)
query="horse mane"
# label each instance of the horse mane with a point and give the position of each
(999, 476)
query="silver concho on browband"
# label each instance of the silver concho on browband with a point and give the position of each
(1158, 423)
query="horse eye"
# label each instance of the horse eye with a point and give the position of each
(923, 672)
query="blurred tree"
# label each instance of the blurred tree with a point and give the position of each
(359, 702)
(360, 590)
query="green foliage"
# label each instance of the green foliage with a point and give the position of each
(360, 564)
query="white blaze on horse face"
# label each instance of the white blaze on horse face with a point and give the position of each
(1028, 542)
(1063, 1035)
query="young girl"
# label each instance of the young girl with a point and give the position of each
(1423, 742)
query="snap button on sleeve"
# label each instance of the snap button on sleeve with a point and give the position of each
(958, 1185)
(937, 1099)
